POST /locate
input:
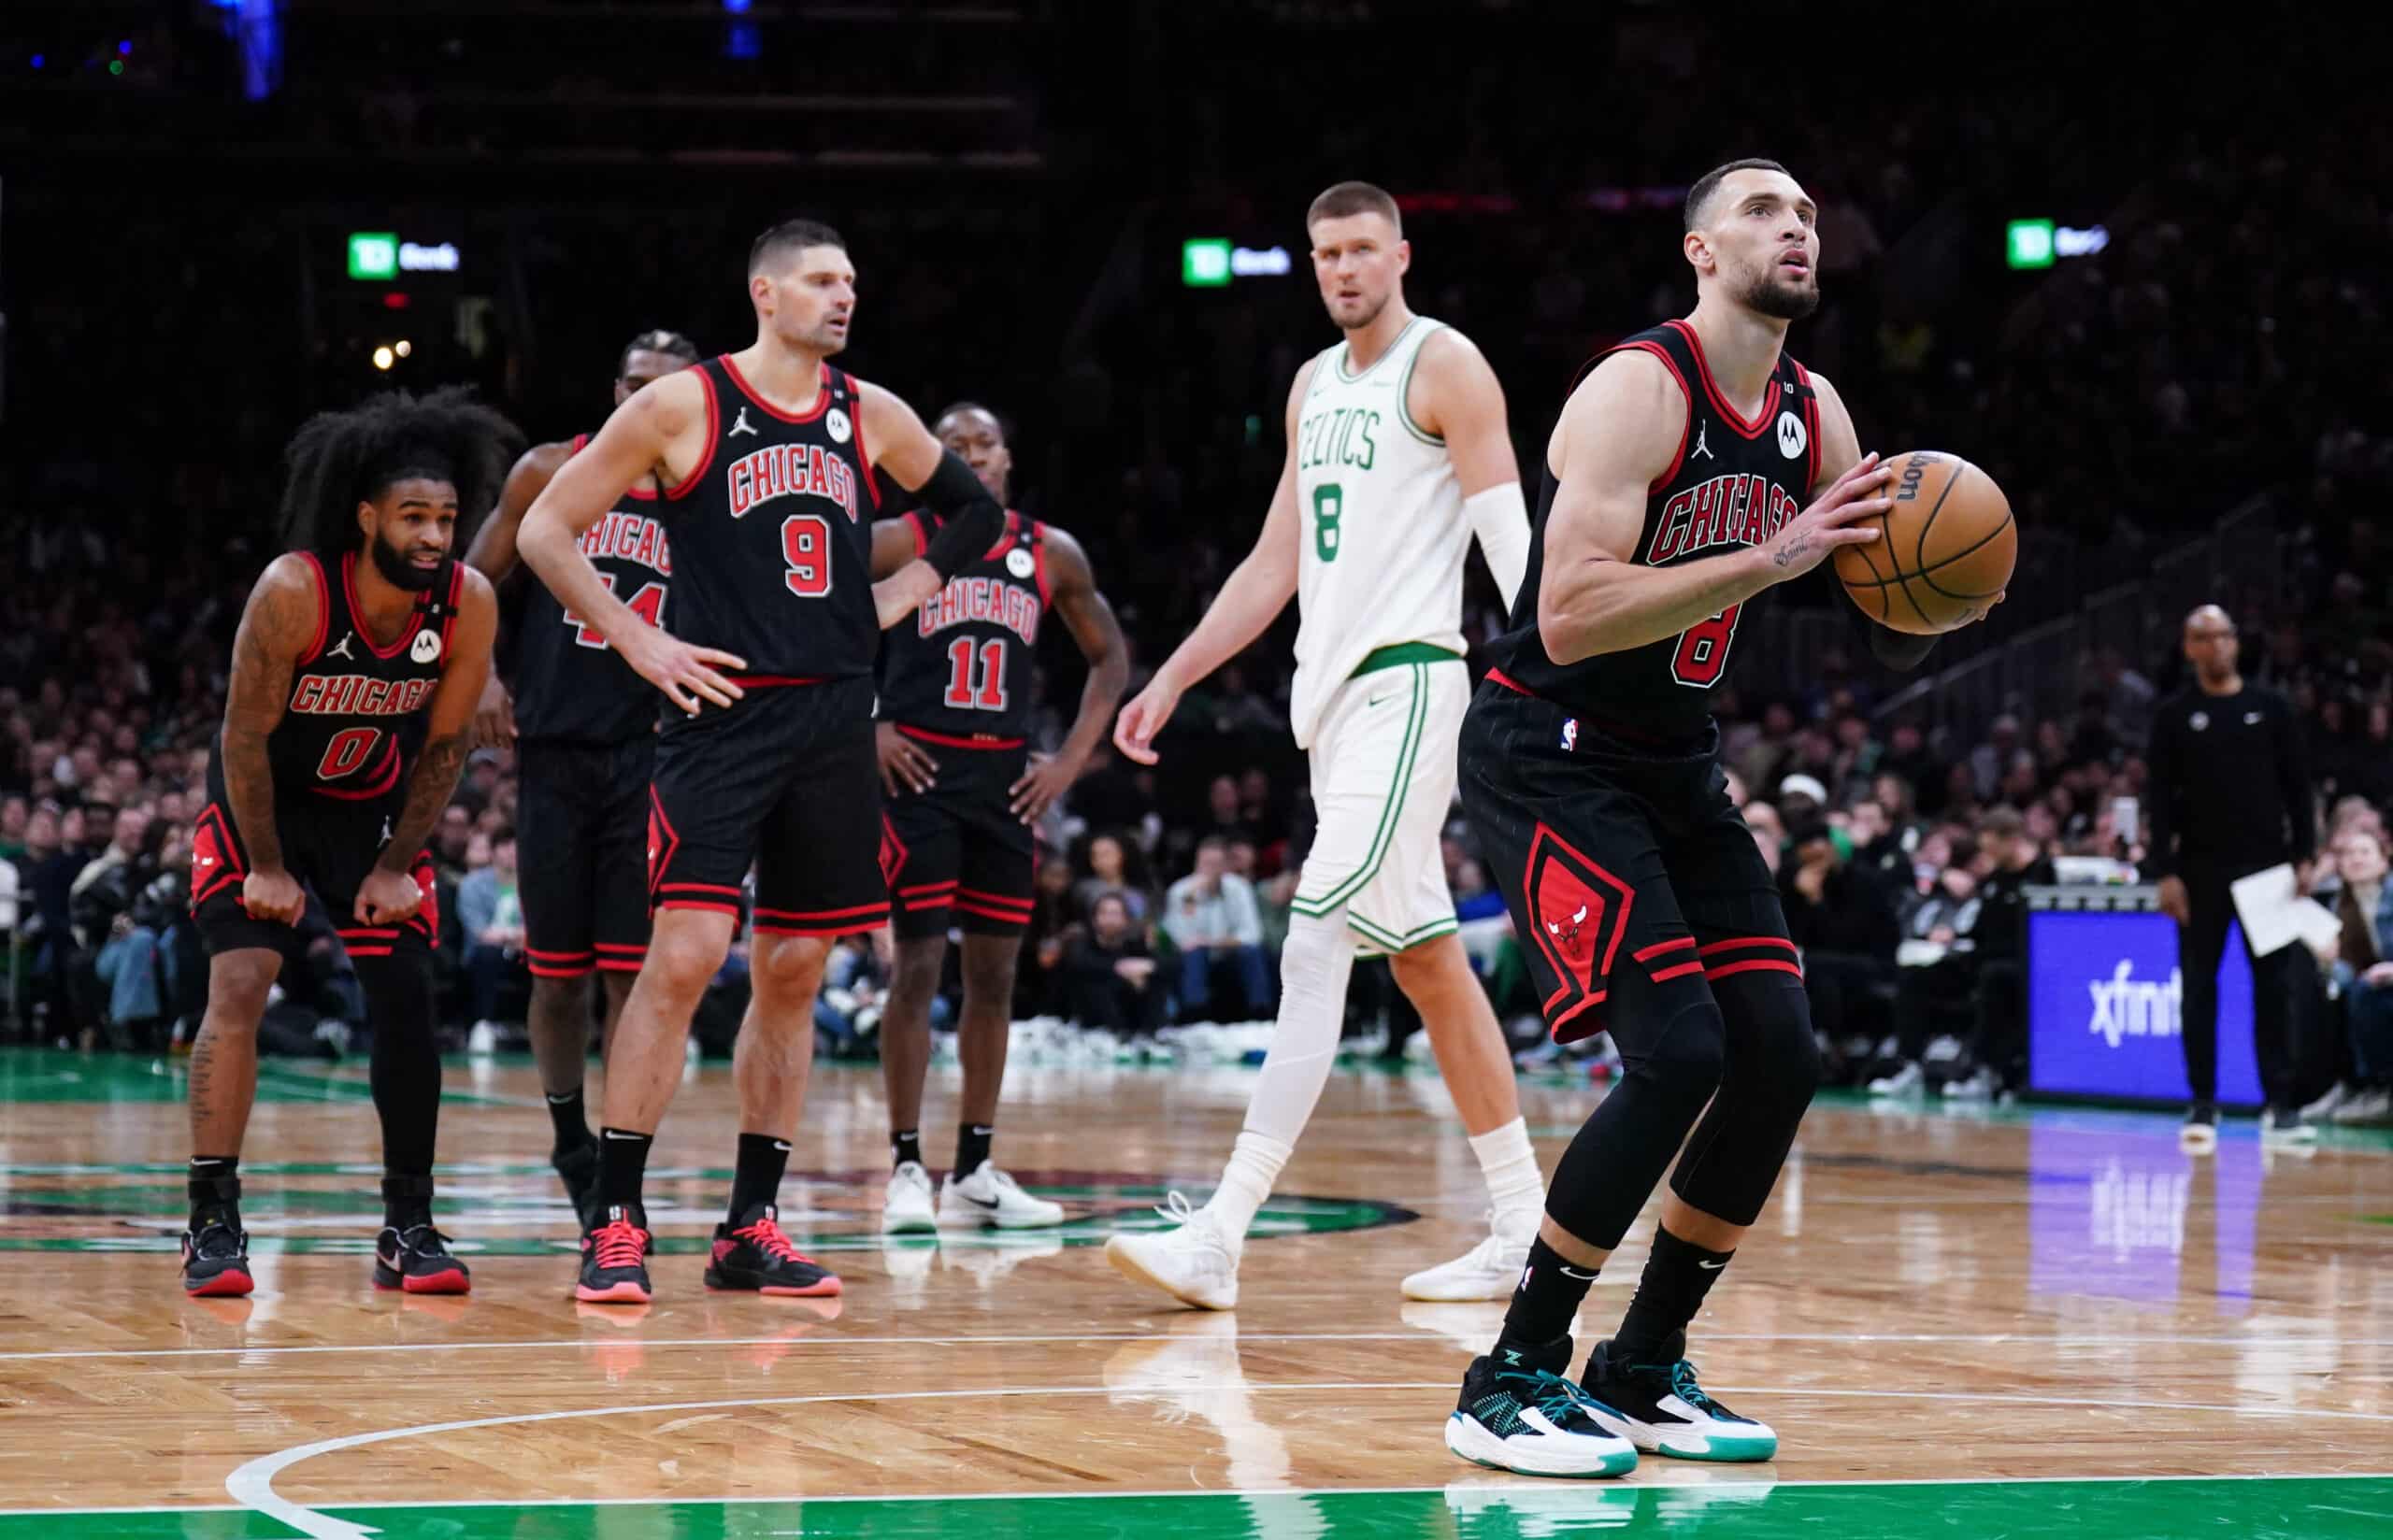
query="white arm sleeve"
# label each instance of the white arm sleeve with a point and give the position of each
(1500, 518)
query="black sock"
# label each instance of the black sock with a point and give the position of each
(905, 1145)
(972, 1147)
(623, 1166)
(406, 1200)
(572, 1122)
(1546, 1297)
(214, 1184)
(1678, 1275)
(756, 1179)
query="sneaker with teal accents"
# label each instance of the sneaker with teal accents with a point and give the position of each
(1659, 1408)
(1516, 1413)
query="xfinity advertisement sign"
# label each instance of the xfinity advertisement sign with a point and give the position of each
(2105, 999)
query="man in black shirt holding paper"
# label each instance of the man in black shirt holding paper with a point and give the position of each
(2230, 796)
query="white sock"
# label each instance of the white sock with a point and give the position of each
(1514, 1184)
(1255, 1162)
(1315, 964)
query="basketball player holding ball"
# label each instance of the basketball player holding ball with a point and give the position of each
(1693, 468)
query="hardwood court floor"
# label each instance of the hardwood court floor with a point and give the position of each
(2047, 1322)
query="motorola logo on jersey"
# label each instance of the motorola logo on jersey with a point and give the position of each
(1791, 438)
(1727, 510)
(986, 599)
(629, 537)
(360, 695)
(789, 470)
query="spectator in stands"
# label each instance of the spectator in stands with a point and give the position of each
(1110, 976)
(1844, 922)
(1110, 871)
(1214, 922)
(492, 915)
(2363, 970)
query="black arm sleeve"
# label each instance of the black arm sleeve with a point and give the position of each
(970, 519)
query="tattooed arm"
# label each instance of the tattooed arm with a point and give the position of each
(1620, 430)
(389, 893)
(281, 622)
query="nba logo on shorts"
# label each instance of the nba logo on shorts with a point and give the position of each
(1569, 735)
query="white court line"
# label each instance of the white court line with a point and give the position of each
(1424, 1333)
(252, 1484)
(1662, 1475)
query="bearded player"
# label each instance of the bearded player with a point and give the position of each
(1675, 494)
(1398, 453)
(765, 459)
(361, 654)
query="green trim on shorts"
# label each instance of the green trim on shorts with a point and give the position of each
(1402, 653)
(1388, 940)
(1316, 907)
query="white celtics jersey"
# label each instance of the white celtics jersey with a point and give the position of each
(1383, 535)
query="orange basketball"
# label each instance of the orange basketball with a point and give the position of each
(1947, 548)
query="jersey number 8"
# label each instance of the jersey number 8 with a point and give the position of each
(1702, 654)
(1329, 504)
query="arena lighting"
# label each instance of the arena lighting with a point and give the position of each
(384, 358)
(403, 347)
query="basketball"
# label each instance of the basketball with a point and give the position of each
(1948, 546)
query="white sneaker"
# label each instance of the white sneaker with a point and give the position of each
(908, 1205)
(990, 1197)
(1488, 1271)
(1195, 1262)
(1980, 1087)
(2286, 1129)
(2364, 1108)
(2338, 1095)
(484, 1039)
(1910, 1080)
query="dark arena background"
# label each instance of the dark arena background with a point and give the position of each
(2134, 264)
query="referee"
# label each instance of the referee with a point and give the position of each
(2230, 796)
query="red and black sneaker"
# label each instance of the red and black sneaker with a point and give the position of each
(755, 1255)
(216, 1257)
(614, 1259)
(417, 1261)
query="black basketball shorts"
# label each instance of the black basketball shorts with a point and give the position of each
(786, 779)
(581, 836)
(958, 854)
(329, 843)
(1632, 880)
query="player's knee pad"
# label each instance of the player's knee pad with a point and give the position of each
(1773, 1053)
(1733, 1159)
(1681, 1062)
(399, 994)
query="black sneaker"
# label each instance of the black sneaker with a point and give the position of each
(1659, 1406)
(416, 1259)
(2200, 1136)
(1516, 1413)
(755, 1255)
(614, 1259)
(578, 1168)
(216, 1255)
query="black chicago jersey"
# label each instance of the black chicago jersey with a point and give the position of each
(961, 668)
(1733, 483)
(351, 726)
(571, 686)
(355, 718)
(772, 538)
